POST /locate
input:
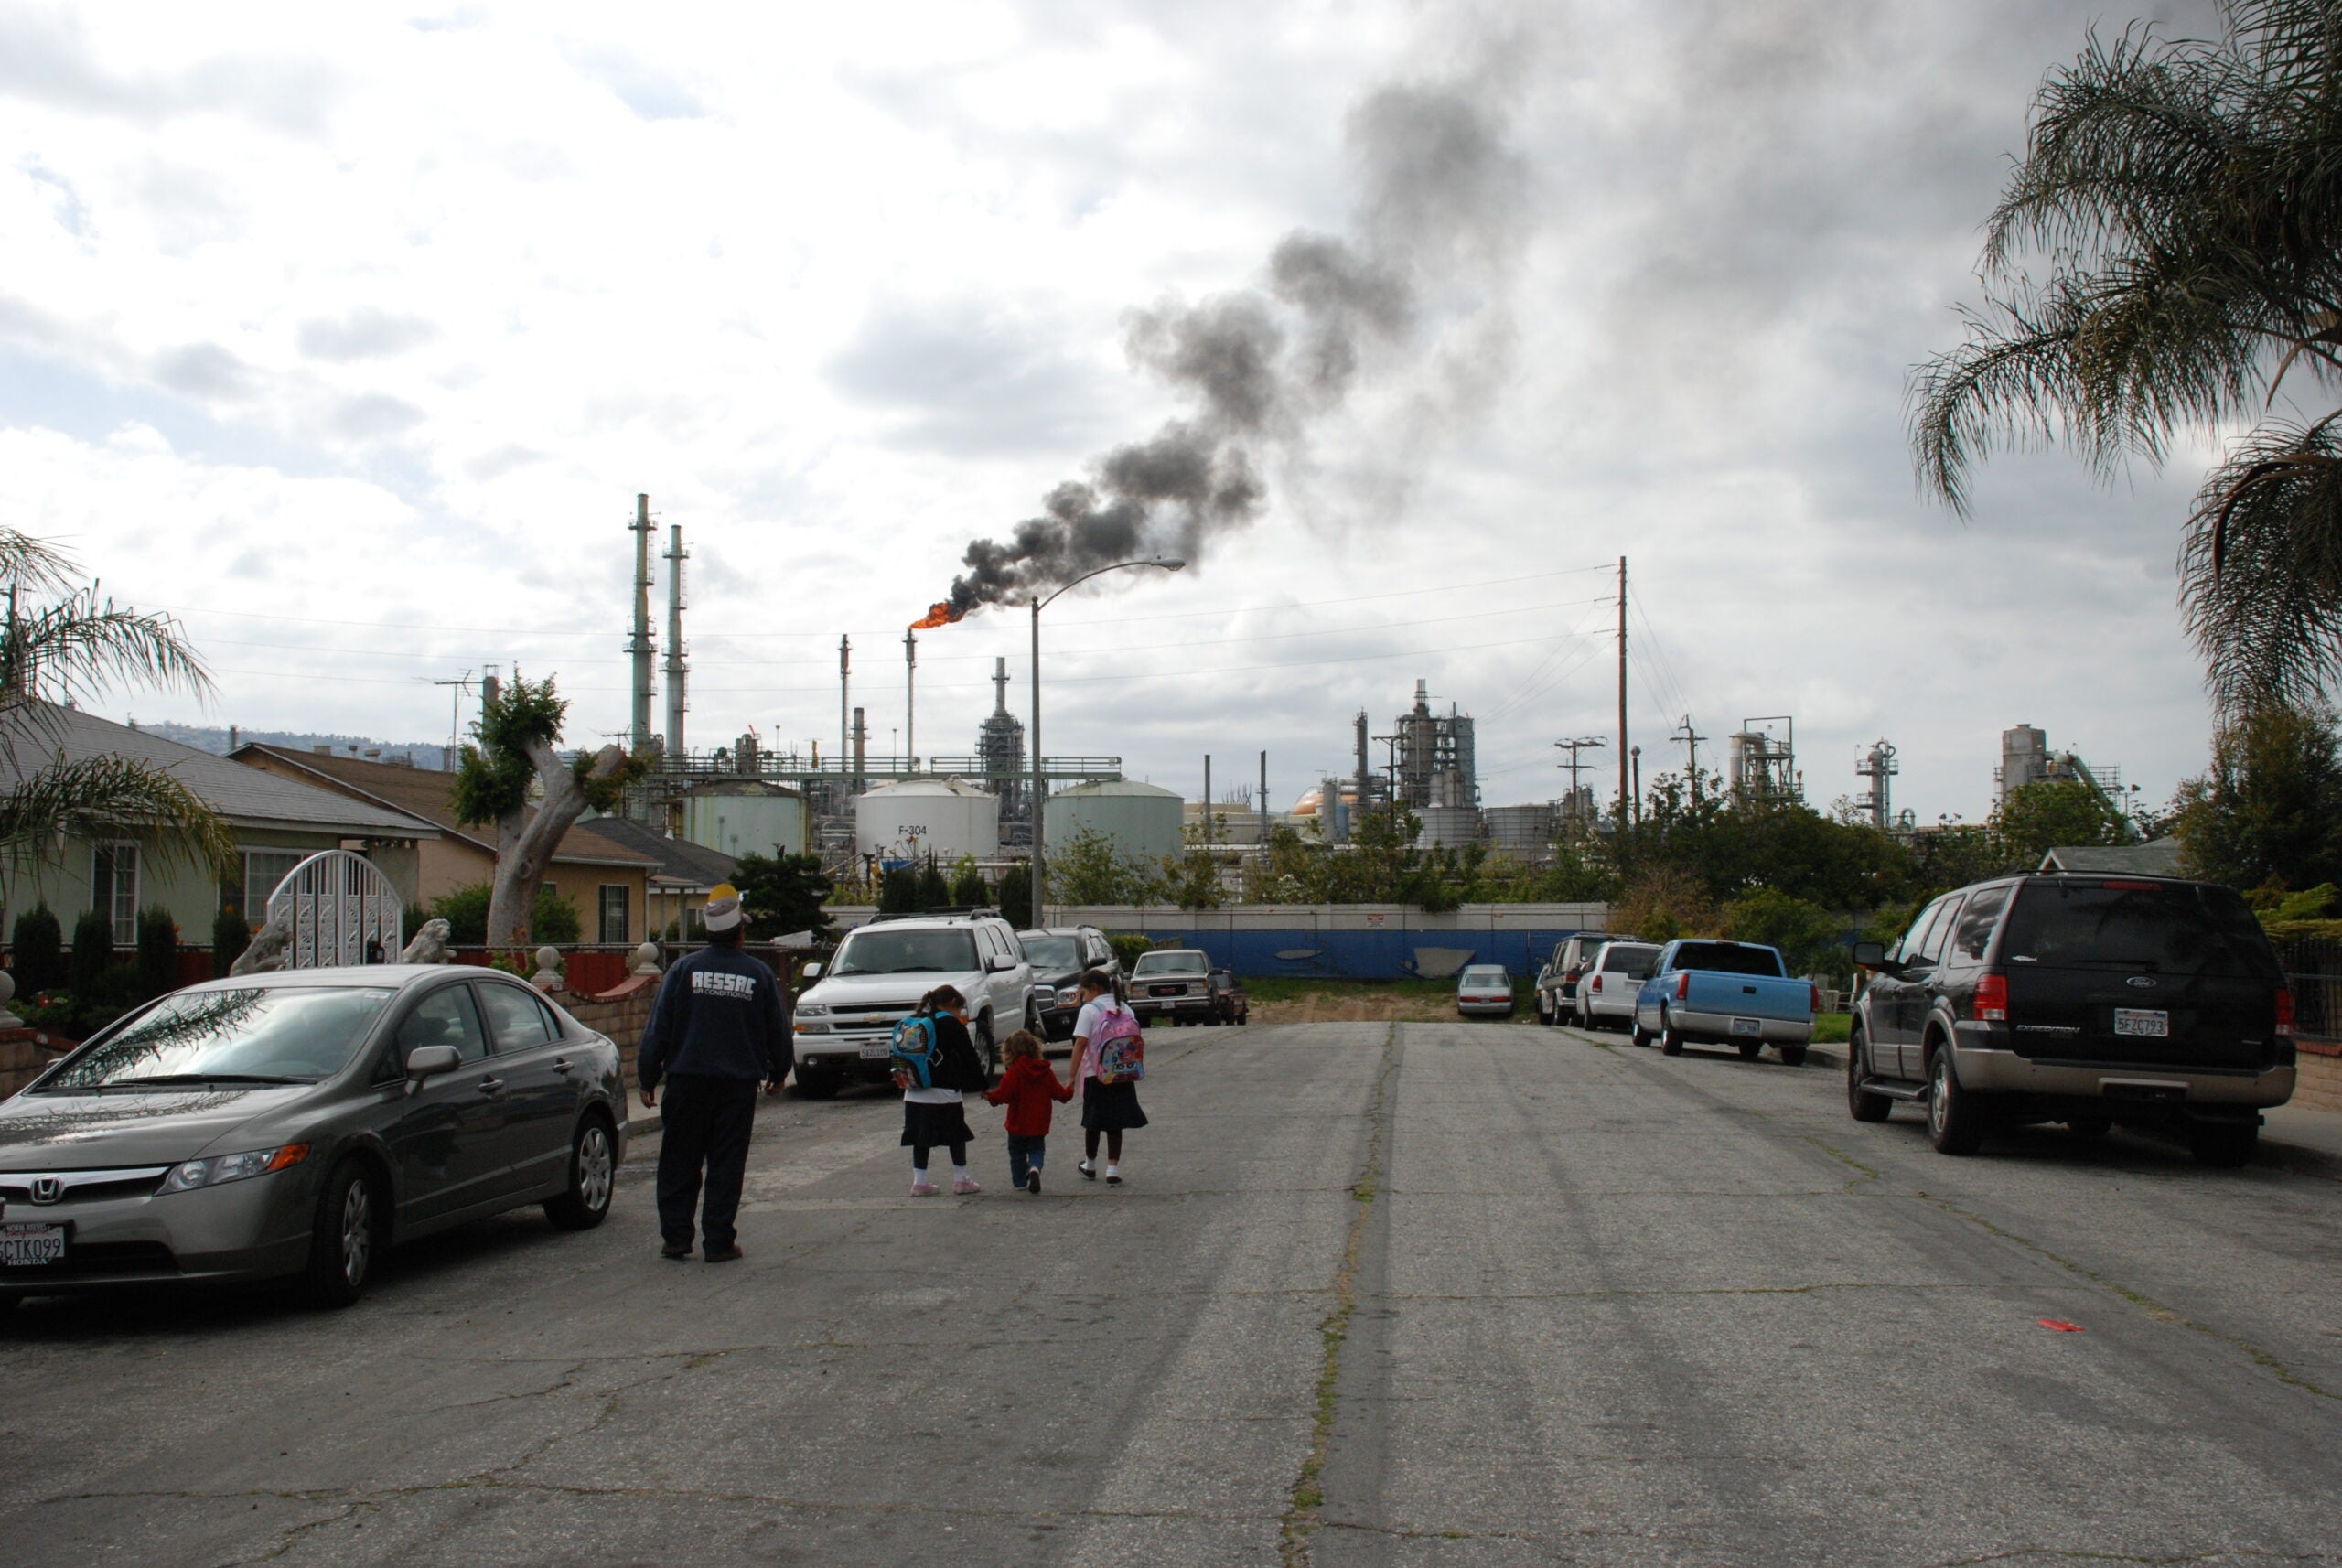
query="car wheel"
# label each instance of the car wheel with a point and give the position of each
(2223, 1144)
(1634, 1032)
(987, 1049)
(343, 1237)
(2090, 1126)
(814, 1083)
(1863, 1104)
(1670, 1038)
(592, 1176)
(1955, 1121)
(1792, 1056)
(8, 1301)
(1034, 1024)
(1750, 1050)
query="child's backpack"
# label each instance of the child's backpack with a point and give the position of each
(914, 1050)
(1121, 1049)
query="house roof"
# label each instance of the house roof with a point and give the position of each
(2156, 857)
(245, 797)
(424, 792)
(680, 860)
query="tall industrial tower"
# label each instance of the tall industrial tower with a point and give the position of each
(1879, 765)
(1435, 762)
(678, 671)
(1000, 750)
(637, 642)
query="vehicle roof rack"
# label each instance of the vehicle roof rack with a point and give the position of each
(967, 912)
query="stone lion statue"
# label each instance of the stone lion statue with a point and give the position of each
(430, 945)
(270, 949)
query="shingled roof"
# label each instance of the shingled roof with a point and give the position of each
(244, 796)
(681, 862)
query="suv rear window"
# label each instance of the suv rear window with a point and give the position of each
(951, 951)
(1634, 961)
(2166, 927)
(1728, 958)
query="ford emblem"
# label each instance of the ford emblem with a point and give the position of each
(48, 1189)
(2142, 983)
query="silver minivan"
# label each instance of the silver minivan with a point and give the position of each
(296, 1124)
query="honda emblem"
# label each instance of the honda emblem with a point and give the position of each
(48, 1189)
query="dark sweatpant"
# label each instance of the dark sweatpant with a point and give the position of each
(706, 1121)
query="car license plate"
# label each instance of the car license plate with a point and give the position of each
(1752, 1027)
(27, 1246)
(2143, 1022)
(878, 1050)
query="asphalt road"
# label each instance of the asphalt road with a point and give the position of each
(1423, 1294)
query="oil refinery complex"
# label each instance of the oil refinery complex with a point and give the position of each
(861, 809)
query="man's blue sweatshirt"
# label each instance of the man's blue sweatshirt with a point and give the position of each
(719, 1014)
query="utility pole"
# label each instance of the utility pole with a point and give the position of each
(1584, 743)
(1626, 797)
(1690, 740)
(1206, 797)
(1265, 803)
(462, 683)
(637, 644)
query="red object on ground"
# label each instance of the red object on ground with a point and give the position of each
(2061, 1326)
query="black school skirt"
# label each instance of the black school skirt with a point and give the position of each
(937, 1126)
(1110, 1107)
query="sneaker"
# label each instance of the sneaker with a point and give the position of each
(1113, 1179)
(1088, 1172)
(965, 1187)
(922, 1189)
(676, 1255)
(1033, 1183)
(731, 1254)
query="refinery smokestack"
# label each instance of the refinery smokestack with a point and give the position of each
(637, 644)
(678, 672)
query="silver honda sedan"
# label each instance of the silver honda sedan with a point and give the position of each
(296, 1124)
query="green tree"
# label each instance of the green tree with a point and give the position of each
(783, 893)
(513, 756)
(934, 892)
(231, 937)
(969, 889)
(1191, 879)
(2269, 810)
(36, 947)
(2162, 260)
(1089, 868)
(1806, 934)
(898, 891)
(1017, 894)
(90, 975)
(552, 918)
(158, 953)
(2052, 813)
(62, 644)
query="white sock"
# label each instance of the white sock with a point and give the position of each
(918, 1176)
(1113, 1170)
(959, 1173)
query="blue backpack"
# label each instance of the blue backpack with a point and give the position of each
(914, 1050)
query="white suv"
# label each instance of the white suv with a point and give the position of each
(845, 1022)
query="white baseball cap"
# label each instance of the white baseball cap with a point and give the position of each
(723, 911)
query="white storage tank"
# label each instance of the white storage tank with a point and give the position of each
(1524, 833)
(918, 817)
(750, 817)
(1142, 820)
(1448, 827)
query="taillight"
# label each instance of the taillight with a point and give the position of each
(1684, 986)
(1992, 1003)
(1813, 1003)
(1597, 983)
(2285, 1015)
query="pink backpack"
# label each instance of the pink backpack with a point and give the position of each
(1120, 1049)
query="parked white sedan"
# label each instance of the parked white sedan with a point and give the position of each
(1484, 989)
(1606, 993)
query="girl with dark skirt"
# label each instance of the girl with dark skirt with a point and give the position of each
(1107, 1108)
(932, 1117)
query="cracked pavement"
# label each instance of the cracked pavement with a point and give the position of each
(1430, 1294)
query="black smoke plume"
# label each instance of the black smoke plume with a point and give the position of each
(1439, 218)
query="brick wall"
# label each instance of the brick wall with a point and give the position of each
(621, 1014)
(23, 1053)
(2317, 1080)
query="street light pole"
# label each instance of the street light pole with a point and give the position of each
(1040, 870)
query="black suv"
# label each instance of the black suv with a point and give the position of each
(1059, 957)
(2085, 999)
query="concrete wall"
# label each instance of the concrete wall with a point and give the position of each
(2317, 1082)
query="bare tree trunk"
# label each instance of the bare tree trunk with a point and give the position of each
(525, 844)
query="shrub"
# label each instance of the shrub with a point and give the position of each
(90, 973)
(39, 945)
(465, 912)
(1017, 894)
(553, 919)
(969, 889)
(1129, 945)
(934, 892)
(158, 954)
(230, 937)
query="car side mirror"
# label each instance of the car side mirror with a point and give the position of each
(429, 1061)
(814, 971)
(1001, 963)
(1870, 955)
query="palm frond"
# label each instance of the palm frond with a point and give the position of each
(2261, 570)
(34, 565)
(110, 797)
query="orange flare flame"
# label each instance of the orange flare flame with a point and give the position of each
(939, 614)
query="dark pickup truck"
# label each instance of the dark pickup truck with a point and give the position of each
(2088, 1000)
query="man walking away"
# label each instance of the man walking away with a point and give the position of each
(720, 1023)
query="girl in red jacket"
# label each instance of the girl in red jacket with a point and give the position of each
(1027, 1087)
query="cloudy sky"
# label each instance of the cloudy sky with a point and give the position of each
(350, 334)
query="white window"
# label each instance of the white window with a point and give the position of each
(618, 911)
(113, 889)
(263, 869)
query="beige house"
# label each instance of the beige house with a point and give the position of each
(607, 879)
(277, 822)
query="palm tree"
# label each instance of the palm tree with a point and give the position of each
(62, 643)
(2185, 198)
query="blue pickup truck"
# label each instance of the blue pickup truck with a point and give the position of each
(1717, 993)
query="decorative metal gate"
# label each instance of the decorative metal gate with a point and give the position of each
(340, 910)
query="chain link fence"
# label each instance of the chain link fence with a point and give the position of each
(2314, 974)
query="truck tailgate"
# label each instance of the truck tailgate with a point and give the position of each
(1750, 996)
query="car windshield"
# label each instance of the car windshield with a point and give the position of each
(1728, 958)
(2162, 927)
(1634, 961)
(882, 952)
(1050, 953)
(1171, 964)
(274, 1035)
(1481, 974)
